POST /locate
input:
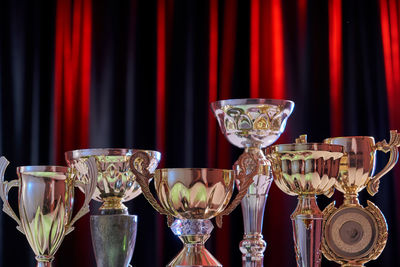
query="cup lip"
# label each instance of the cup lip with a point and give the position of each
(194, 169)
(251, 101)
(43, 168)
(306, 146)
(362, 137)
(87, 152)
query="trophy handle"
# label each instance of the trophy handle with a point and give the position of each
(4, 189)
(143, 177)
(394, 143)
(241, 166)
(90, 169)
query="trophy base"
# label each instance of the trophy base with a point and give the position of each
(113, 238)
(193, 233)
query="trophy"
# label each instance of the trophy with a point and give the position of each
(306, 170)
(353, 234)
(45, 200)
(193, 196)
(253, 124)
(114, 230)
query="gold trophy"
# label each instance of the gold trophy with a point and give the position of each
(193, 196)
(306, 170)
(45, 200)
(253, 124)
(353, 234)
(114, 230)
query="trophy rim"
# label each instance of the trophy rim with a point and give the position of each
(306, 146)
(327, 140)
(88, 152)
(193, 169)
(251, 101)
(43, 168)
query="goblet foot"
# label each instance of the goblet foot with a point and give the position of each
(113, 238)
(193, 234)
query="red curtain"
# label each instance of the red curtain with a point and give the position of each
(72, 102)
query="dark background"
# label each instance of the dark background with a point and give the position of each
(141, 74)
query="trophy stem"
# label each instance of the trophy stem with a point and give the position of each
(193, 234)
(349, 200)
(44, 261)
(253, 205)
(113, 238)
(307, 231)
(113, 205)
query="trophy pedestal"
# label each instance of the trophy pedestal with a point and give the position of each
(193, 234)
(307, 231)
(113, 238)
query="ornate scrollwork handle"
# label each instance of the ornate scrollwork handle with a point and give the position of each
(246, 168)
(87, 169)
(392, 146)
(139, 163)
(4, 189)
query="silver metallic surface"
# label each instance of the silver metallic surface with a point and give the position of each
(113, 238)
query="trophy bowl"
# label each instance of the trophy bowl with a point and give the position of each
(45, 201)
(306, 170)
(193, 196)
(115, 181)
(252, 122)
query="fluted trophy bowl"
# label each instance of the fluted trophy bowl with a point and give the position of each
(192, 196)
(252, 122)
(45, 202)
(194, 193)
(116, 182)
(306, 170)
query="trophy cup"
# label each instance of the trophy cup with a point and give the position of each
(114, 230)
(45, 200)
(193, 196)
(253, 124)
(306, 170)
(353, 234)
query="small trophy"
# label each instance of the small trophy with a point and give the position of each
(353, 234)
(45, 200)
(193, 196)
(253, 124)
(306, 170)
(114, 230)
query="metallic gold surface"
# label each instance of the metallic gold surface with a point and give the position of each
(193, 196)
(115, 182)
(306, 170)
(352, 234)
(253, 124)
(367, 225)
(45, 200)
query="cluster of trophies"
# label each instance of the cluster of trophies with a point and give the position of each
(350, 235)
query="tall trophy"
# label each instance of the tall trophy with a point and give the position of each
(354, 235)
(114, 230)
(45, 201)
(253, 124)
(193, 196)
(306, 170)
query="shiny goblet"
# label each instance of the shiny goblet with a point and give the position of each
(193, 196)
(45, 200)
(306, 170)
(116, 183)
(353, 234)
(253, 124)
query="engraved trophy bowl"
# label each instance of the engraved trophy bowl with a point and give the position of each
(253, 124)
(115, 182)
(192, 196)
(353, 234)
(306, 170)
(45, 202)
